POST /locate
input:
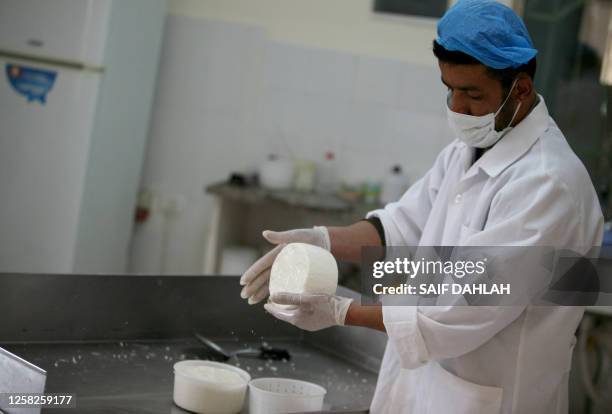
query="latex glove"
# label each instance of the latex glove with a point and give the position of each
(255, 279)
(312, 312)
(317, 236)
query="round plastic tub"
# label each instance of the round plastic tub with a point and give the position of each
(284, 395)
(207, 387)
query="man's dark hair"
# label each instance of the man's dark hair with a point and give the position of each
(505, 76)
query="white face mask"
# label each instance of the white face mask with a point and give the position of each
(479, 131)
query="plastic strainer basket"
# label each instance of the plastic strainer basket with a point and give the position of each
(284, 395)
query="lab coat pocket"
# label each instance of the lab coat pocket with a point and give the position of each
(452, 394)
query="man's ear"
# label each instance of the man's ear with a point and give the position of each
(524, 87)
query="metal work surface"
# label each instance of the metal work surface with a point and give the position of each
(49, 308)
(113, 339)
(137, 377)
(19, 376)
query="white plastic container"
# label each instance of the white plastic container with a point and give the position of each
(394, 186)
(327, 175)
(207, 387)
(305, 173)
(284, 395)
(276, 173)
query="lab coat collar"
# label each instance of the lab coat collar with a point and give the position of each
(516, 142)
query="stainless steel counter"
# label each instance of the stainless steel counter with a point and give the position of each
(137, 377)
(91, 340)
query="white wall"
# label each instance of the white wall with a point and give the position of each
(231, 92)
(345, 25)
(118, 144)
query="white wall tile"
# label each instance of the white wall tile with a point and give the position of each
(314, 124)
(421, 90)
(377, 81)
(368, 125)
(309, 70)
(362, 166)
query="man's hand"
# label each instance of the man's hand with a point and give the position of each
(255, 279)
(311, 312)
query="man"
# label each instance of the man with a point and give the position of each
(508, 179)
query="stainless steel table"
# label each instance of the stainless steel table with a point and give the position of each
(113, 340)
(137, 377)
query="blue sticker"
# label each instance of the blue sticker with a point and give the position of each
(34, 84)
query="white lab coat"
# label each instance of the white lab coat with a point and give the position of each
(529, 189)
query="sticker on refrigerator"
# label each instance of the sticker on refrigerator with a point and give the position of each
(35, 84)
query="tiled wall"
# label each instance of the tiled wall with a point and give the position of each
(228, 95)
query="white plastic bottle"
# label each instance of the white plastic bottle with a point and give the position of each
(327, 175)
(394, 185)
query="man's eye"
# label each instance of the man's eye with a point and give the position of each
(475, 98)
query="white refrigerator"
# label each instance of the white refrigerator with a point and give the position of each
(70, 150)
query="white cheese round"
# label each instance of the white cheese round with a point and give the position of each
(304, 268)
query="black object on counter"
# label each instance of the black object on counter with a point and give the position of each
(264, 351)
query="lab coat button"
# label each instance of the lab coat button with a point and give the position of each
(458, 198)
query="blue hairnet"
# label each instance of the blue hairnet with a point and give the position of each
(488, 31)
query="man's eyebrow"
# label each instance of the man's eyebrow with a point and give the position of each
(466, 88)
